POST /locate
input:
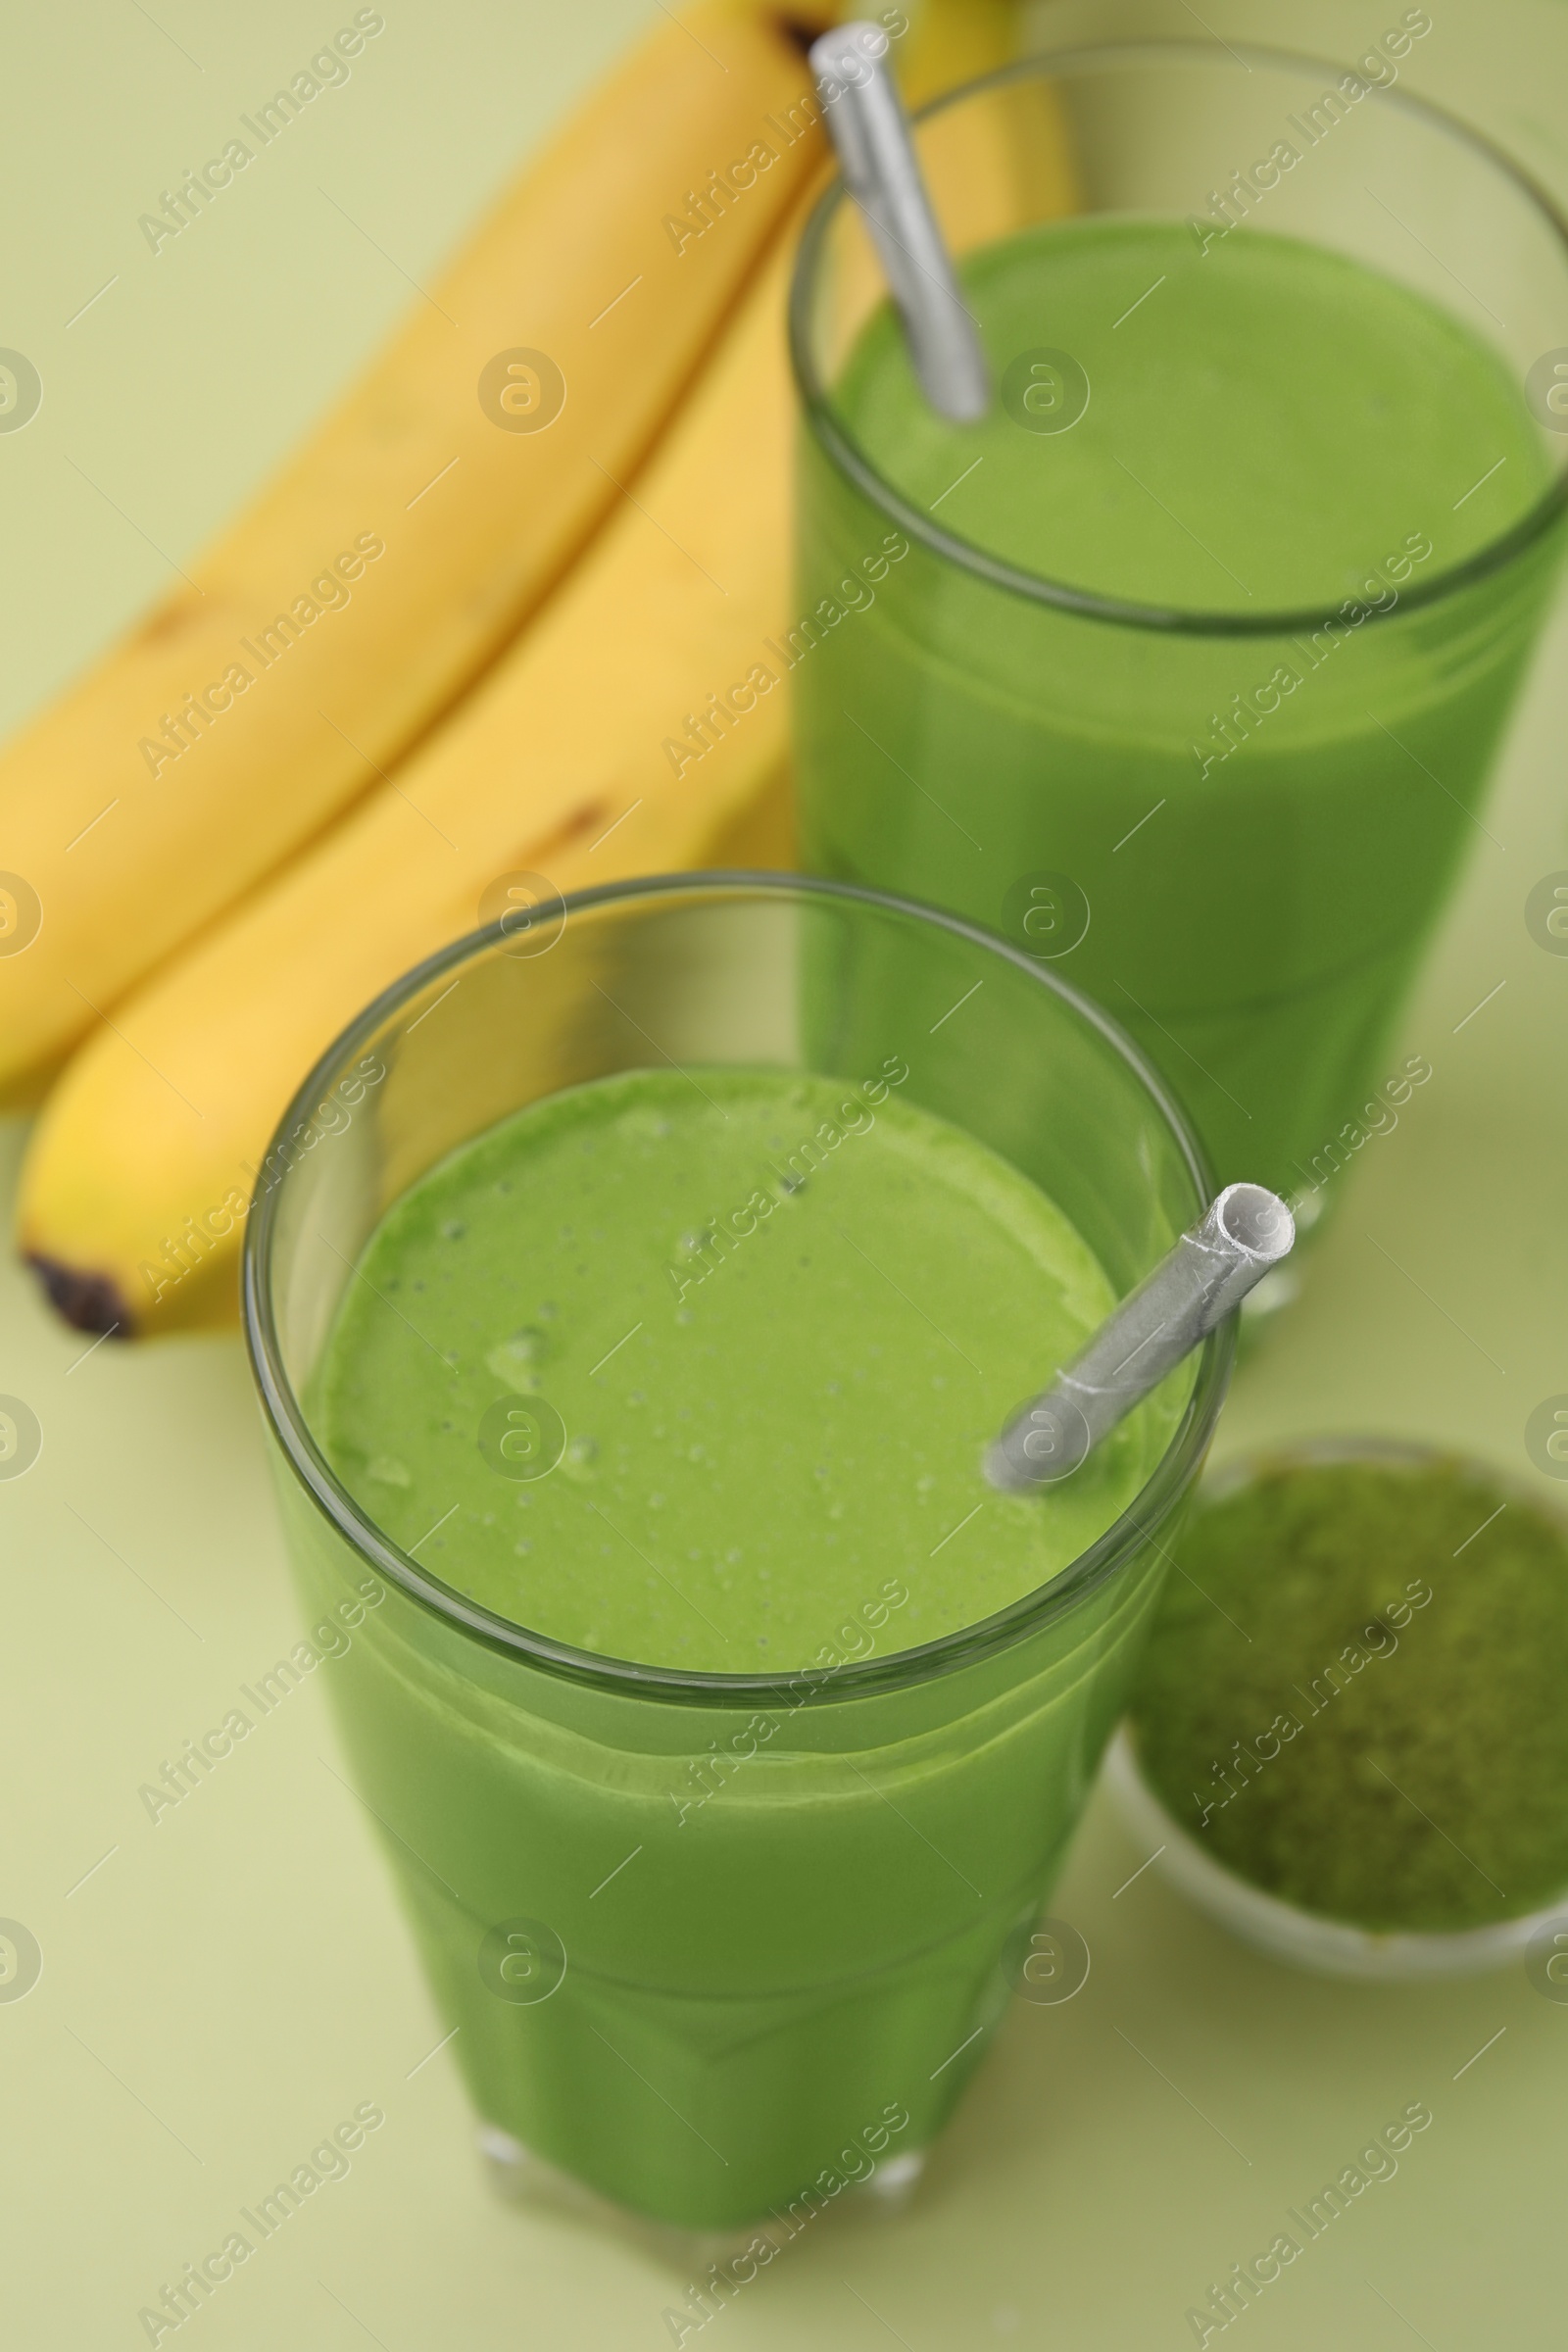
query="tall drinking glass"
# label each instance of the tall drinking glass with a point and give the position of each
(703, 2014)
(1064, 672)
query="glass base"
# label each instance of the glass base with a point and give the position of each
(524, 2178)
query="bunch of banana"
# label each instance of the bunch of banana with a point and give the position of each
(559, 760)
(634, 724)
(359, 595)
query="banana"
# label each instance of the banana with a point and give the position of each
(642, 712)
(401, 549)
(956, 40)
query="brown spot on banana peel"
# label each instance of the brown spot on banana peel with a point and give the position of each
(589, 819)
(803, 25)
(88, 1302)
(206, 1299)
(175, 617)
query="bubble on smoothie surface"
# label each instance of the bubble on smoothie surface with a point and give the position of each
(516, 1360)
(577, 1461)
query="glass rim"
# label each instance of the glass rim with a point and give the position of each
(287, 1419)
(1330, 1449)
(845, 454)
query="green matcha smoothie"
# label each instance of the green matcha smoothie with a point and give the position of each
(1229, 790)
(695, 1369)
(776, 1322)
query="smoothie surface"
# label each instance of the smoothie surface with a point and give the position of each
(1266, 422)
(779, 1316)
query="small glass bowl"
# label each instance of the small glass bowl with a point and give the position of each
(1305, 1939)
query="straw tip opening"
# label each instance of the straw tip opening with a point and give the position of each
(1257, 1220)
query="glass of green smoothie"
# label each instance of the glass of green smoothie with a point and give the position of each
(1184, 667)
(632, 1300)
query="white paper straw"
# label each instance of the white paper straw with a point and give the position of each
(1243, 1233)
(865, 118)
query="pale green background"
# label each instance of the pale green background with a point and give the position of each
(228, 1984)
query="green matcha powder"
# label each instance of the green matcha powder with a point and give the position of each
(1355, 1693)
